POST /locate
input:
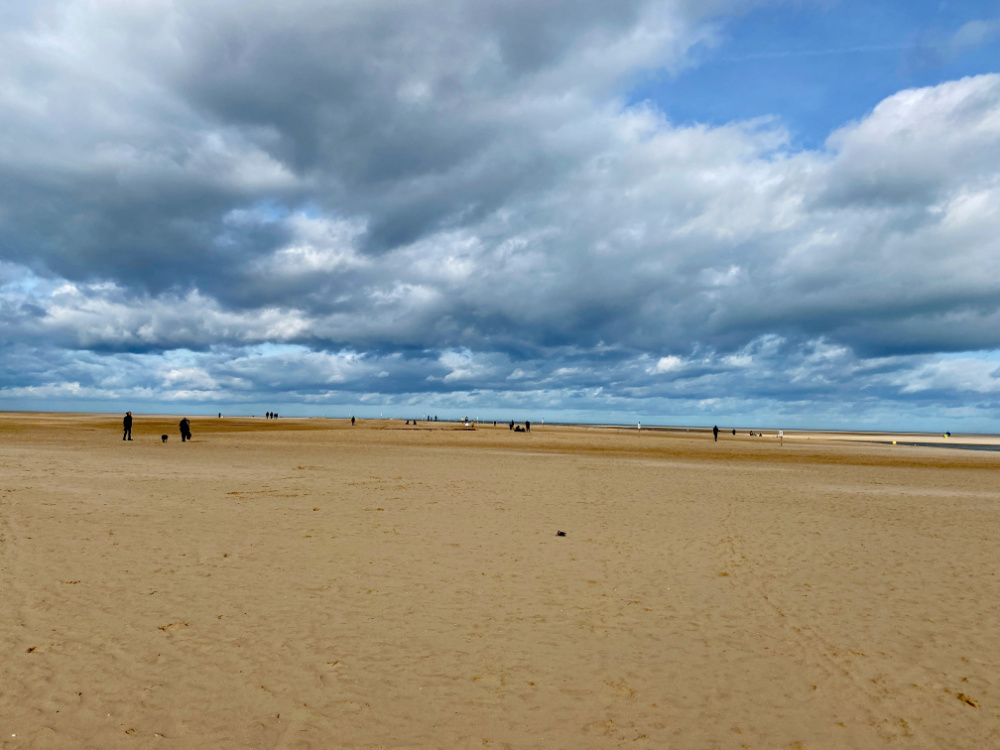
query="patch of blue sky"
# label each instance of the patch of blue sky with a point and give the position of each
(261, 212)
(272, 211)
(19, 280)
(983, 355)
(819, 66)
(311, 210)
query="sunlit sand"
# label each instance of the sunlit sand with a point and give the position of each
(306, 584)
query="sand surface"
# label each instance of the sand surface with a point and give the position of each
(306, 584)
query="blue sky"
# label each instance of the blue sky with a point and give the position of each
(817, 66)
(689, 212)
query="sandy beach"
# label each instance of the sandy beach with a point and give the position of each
(306, 584)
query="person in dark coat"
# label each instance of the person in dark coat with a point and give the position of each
(527, 426)
(715, 431)
(127, 424)
(185, 430)
(352, 421)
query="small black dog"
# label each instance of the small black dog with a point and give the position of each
(164, 438)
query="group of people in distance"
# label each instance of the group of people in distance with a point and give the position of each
(715, 433)
(527, 426)
(185, 425)
(271, 415)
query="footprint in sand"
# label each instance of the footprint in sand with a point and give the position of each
(173, 626)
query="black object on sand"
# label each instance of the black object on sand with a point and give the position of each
(560, 533)
(164, 438)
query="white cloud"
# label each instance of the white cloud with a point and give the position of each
(963, 375)
(669, 364)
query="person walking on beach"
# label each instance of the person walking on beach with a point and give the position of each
(127, 424)
(352, 421)
(527, 426)
(715, 431)
(185, 430)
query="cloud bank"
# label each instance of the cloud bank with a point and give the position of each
(448, 205)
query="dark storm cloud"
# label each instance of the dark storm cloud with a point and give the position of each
(151, 123)
(438, 200)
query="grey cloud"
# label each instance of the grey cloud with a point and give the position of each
(347, 104)
(452, 194)
(618, 254)
(763, 372)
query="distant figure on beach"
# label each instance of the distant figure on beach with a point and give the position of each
(185, 430)
(352, 421)
(734, 432)
(715, 431)
(127, 424)
(512, 424)
(518, 429)
(220, 415)
(527, 426)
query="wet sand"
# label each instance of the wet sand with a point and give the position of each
(306, 584)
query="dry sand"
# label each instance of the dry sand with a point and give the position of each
(305, 584)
